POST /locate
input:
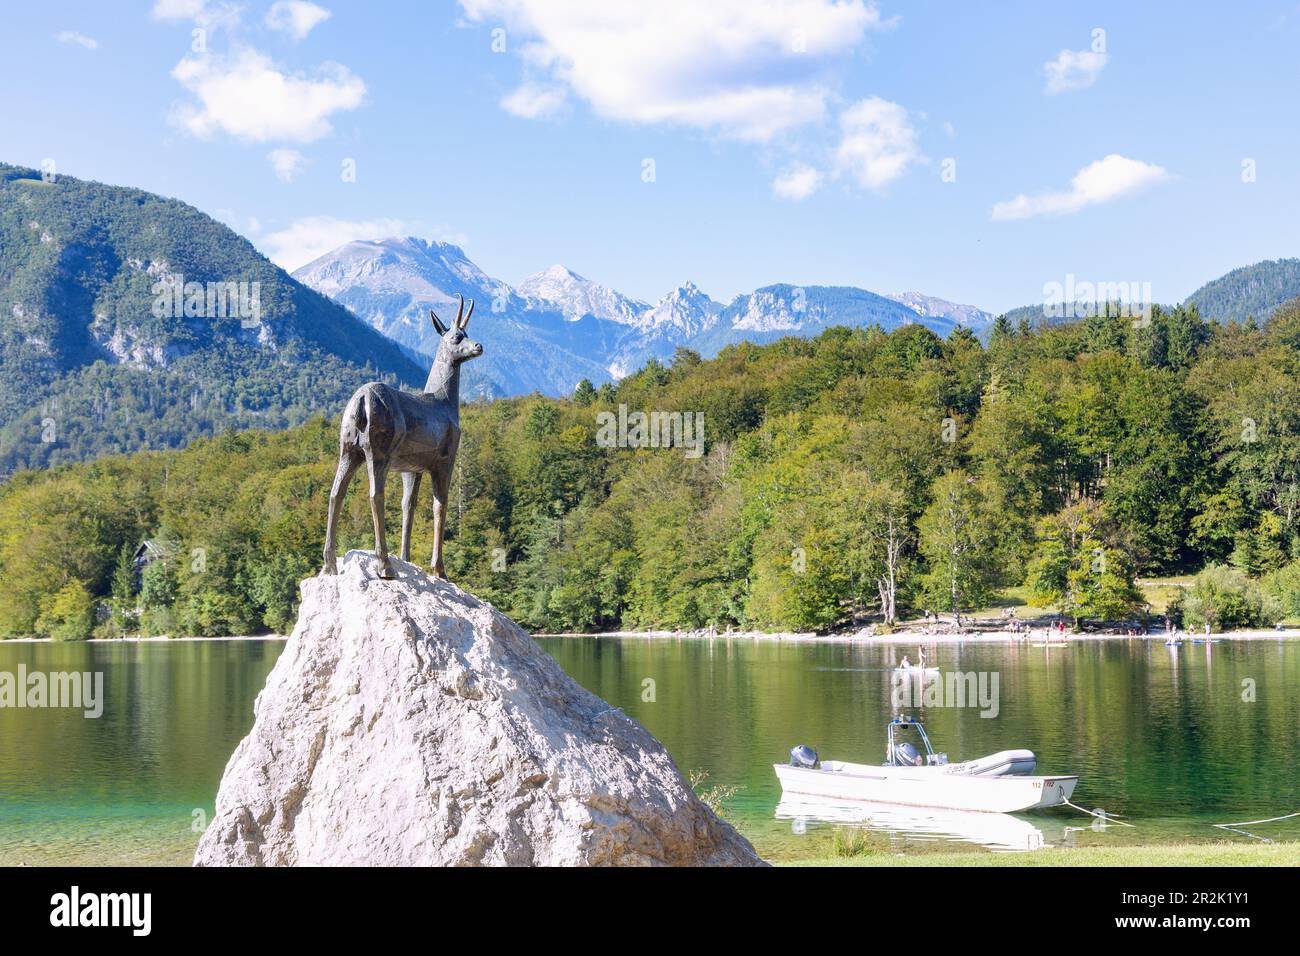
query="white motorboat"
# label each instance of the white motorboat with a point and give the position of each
(998, 783)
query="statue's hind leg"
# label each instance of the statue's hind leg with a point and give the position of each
(378, 476)
(348, 464)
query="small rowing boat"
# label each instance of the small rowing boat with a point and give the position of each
(998, 783)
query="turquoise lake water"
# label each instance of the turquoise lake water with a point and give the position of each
(1173, 739)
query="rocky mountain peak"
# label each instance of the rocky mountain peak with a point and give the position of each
(575, 296)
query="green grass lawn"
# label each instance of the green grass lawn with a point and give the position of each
(1016, 597)
(1175, 854)
(1158, 592)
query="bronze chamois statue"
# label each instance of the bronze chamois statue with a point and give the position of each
(412, 434)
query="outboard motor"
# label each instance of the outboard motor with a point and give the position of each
(906, 755)
(804, 756)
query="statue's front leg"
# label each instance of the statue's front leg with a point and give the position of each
(441, 482)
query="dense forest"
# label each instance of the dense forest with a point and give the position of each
(858, 475)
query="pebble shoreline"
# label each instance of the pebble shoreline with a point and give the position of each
(919, 637)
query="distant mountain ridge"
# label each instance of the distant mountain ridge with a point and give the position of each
(88, 365)
(1250, 291)
(933, 307)
(776, 311)
(558, 327)
(394, 283)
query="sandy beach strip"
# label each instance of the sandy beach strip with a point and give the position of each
(1031, 638)
(164, 639)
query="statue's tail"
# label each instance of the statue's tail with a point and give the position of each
(365, 410)
(378, 417)
(358, 415)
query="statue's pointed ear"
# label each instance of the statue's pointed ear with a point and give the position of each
(437, 323)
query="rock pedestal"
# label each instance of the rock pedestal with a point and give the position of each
(409, 723)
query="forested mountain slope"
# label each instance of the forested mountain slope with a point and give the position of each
(93, 361)
(1249, 291)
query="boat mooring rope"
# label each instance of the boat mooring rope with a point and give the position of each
(1100, 815)
(1110, 818)
(1250, 823)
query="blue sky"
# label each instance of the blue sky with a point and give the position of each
(801, 142)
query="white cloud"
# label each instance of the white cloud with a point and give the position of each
(177, 9)
(295, 17)
(532, 101)
(878, 143)
(745, 69)
(72, 36)
(286, 163)
(202, 12)
(1074, 70)
(1100, 181)
(798, 182)
(312, 237)
(245, 95)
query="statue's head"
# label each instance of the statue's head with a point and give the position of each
(458, 346)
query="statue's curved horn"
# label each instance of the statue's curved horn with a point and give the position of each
(465, 325)
(437, 323)
(460, 311)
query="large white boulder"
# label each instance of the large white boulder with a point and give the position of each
(409, 723)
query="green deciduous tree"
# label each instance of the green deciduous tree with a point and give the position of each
(957, 538)
(68, 614)
(123, 590)
(1225, 598)
(1080, 566)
